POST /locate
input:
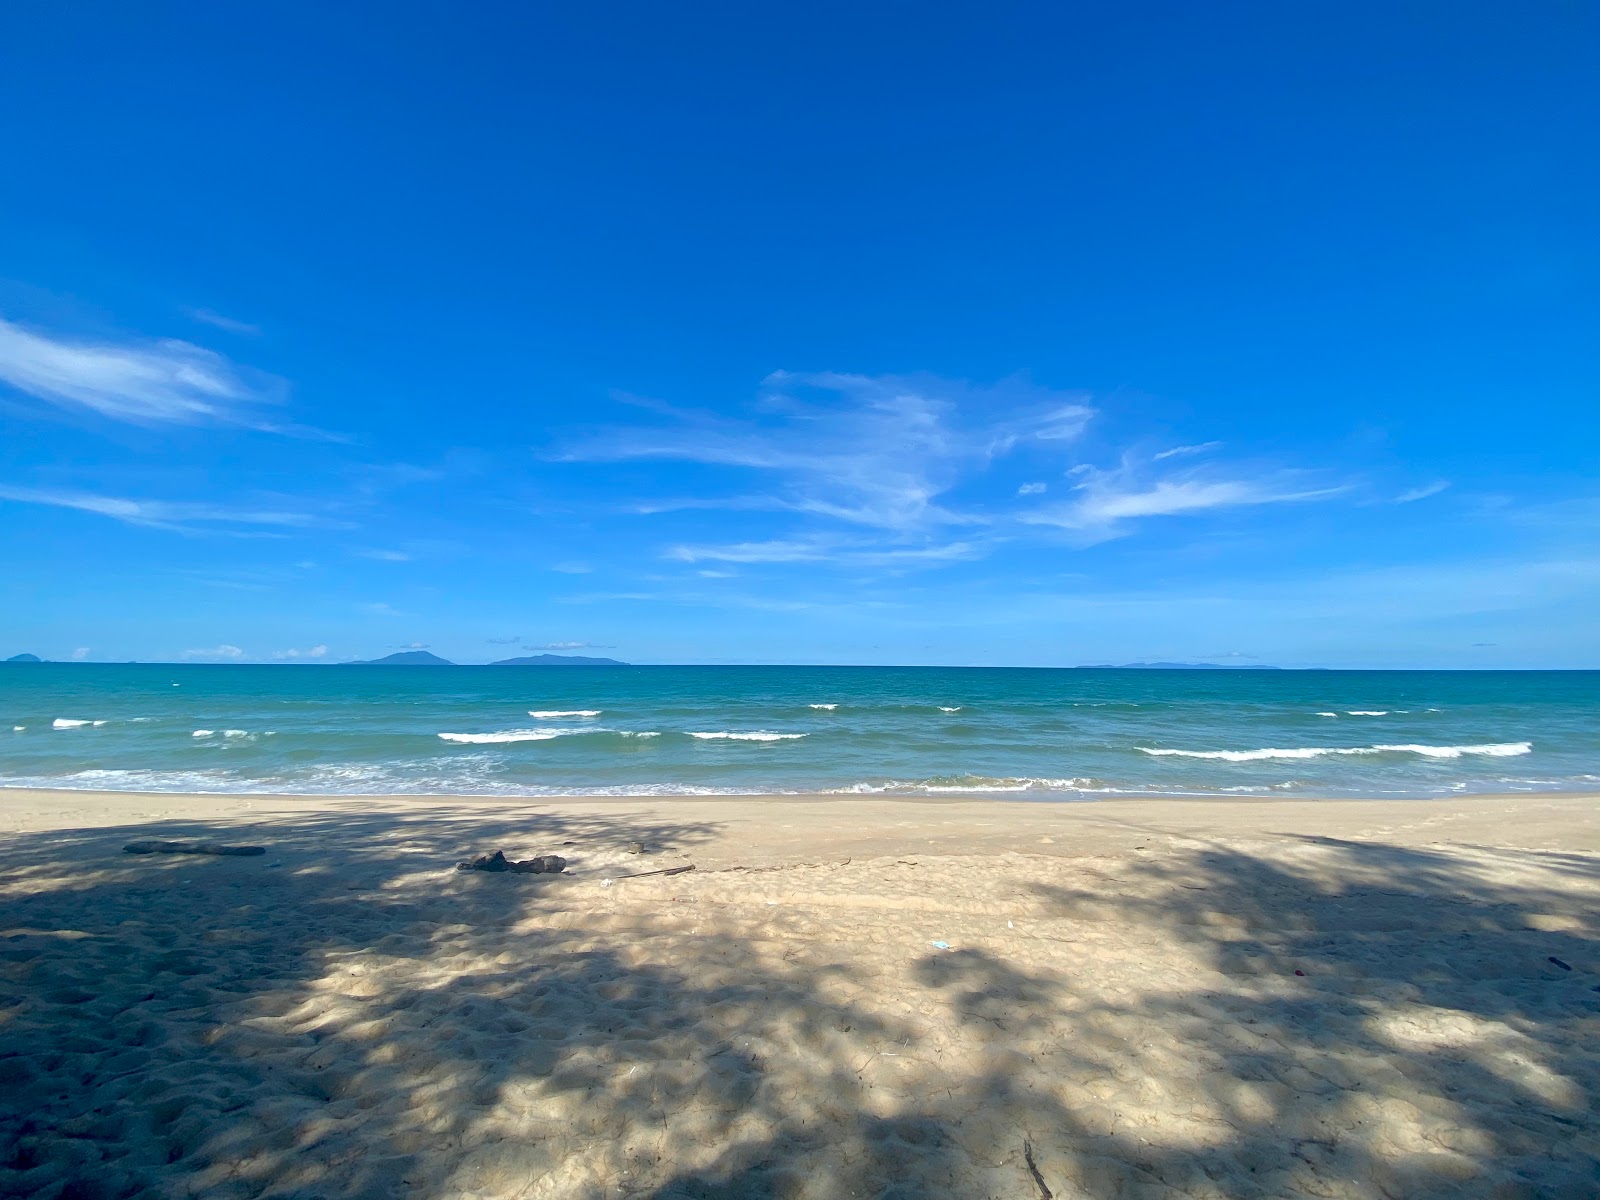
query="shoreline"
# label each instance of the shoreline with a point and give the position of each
(791, 823)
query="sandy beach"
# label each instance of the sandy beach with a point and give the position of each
(845, 997)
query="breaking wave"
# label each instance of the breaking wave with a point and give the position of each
(1490, 749)
(759, 735)
(514, 735)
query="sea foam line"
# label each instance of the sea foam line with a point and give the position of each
(1490, 749)
(972, 784)
(69, 723)
(759, 735)
(553, 714)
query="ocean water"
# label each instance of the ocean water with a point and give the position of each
(1021, 733)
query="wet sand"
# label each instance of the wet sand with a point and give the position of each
(846, 997)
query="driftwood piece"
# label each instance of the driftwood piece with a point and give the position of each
(545, 864)
(192, 848)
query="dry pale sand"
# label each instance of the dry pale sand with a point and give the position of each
(1145, 998)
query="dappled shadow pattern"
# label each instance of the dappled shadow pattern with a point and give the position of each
(1339, 1019)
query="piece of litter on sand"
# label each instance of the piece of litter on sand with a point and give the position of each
(940, 945)
(1559, 963)
(607, 882)
(192, 848)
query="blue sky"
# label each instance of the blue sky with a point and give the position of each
(1004, 334)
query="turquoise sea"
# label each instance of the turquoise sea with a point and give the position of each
(1023, 733)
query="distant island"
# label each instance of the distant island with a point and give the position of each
(24, 658)
(405, 658)
(422, 658)
(557, 660)
(1162, 666)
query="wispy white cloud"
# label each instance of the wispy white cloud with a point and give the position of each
(162, 514)
(572, 568)
(648, 508)
(1422, 493)
(81, 653)
(907, 459)
(381, 608)
(1107, 501)
(385, 555)
(1185, 451)
(221, 653)
(572, 646)
(206, 316)
(290, 655)
(825, 550)
(877, 451)
(147, 383)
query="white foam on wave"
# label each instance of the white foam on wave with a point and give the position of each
(826, 707)
(640, 733)
(235, 733)
(1370, 712)
(1327, 714)
(759, 735)
(204, 733)
(513, 735)
(1490, 749)
(556, 714)
(975, 784)
(69, 723)
(942, 708)
(18, 728)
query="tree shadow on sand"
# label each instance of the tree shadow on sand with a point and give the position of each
(361, 1020)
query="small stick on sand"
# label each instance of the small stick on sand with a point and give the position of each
(191, 848)
(1033, 1169)
(668, 871)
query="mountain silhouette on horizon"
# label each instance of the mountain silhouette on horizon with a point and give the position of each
(405, 658)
